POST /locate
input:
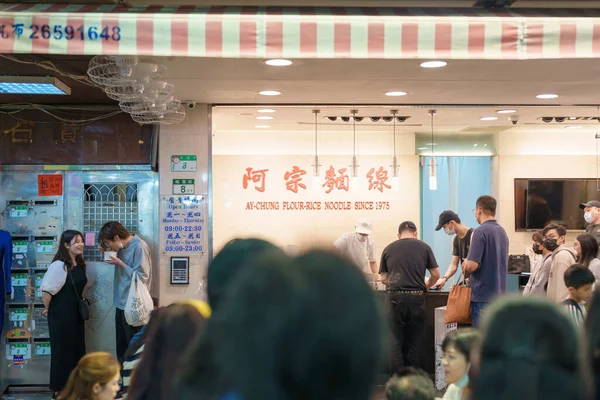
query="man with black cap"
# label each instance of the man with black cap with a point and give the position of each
(402, 268)
(591, 216)
(450, 221)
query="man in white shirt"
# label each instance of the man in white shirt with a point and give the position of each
(359, 247)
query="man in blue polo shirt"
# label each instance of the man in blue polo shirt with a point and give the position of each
(487, 261)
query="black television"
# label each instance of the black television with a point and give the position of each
(539, 202)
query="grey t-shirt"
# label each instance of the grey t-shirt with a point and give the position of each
(594, 230)
(136, 256)
(489, 247)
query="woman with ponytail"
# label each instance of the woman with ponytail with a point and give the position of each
(530, 350)
(96, 377)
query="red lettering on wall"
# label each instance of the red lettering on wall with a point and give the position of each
(332, 181)
(294, 179)
(377, 182)
(257, 176)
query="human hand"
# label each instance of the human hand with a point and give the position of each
(101, 249)
(440, 283)
(115, 261)
(45, 312)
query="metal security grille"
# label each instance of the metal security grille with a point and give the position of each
(103, 202)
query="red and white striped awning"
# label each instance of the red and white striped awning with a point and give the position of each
(269, 32)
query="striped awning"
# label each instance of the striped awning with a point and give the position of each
(269, 32)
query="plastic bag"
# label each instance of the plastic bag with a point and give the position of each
(139, 303)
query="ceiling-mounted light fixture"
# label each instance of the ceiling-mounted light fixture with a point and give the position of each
(432, 171)
(388, 119)
(401, 119)
(332, 118)
(433, 64)
(358, 119)
(316, 165)
(547, 119)
(33, 85)
(560, 119)
(269, 93)
(278, 62)
(394, 165)
(345, 119)
(354, 162)
(375, 119)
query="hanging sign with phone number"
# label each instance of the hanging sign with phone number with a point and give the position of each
(60, 32)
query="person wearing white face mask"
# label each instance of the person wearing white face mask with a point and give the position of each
(591, 215)
(456, 361)
(452, 225)
(359, 248)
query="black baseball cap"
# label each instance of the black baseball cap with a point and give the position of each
(591, 203)
(407, 225)
(446, 217)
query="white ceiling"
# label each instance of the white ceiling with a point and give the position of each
(462, 92)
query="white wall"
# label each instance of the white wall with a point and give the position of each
(539, 154)
(192, 136)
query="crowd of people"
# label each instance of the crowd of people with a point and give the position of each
(309, 327)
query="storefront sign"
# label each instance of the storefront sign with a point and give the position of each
(376, 180)
(184, 163)
(182, 224)
(18, 211)
(50, 185)
(184, 186)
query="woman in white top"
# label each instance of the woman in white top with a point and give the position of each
(586, 247)
(62, 289)
(456, 361)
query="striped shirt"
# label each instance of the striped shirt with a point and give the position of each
(129, 365)
(576, 311)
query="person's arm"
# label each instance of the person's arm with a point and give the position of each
(434, 277)
(471, 264)
(563, 260)
(452, 268)
(53, 281)
(340, 243)
(383, 269)
(140, 263)
(432, 267)
(542, 278)
(372, 262)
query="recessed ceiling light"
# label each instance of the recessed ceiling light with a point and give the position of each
(262, 126)
(475, 145)
(434, 64)
(546, 96)
(485, 145)
(396, 94)
(506, 111)
(278, 62)
(264, 117)
(488, 118)
(421, 148)
(573, 127)
(430, 144)
(572, 118)
(266, 110)
(269, 93)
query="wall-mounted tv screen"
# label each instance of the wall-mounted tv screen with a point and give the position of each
(539, 202)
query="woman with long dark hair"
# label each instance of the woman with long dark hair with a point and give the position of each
(62, 289)
(586, 247)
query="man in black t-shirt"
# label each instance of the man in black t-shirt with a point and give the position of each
(450, 221)
(402, 268)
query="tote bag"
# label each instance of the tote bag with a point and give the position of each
(458, 308)
(139, 303)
